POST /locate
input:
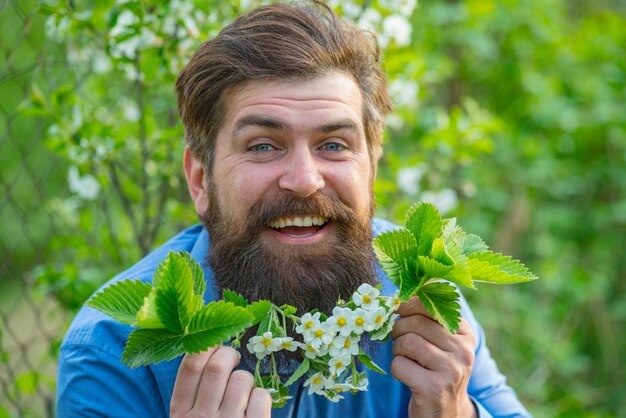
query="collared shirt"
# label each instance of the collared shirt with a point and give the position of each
(92, 381)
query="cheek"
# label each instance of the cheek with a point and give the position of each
(243, 188)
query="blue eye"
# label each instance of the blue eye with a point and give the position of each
(333, 146)
(261, 148)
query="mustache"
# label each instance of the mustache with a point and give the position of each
(288, 204)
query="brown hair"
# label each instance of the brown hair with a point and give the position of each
(280, 41)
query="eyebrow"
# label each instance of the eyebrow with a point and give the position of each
(266, 122)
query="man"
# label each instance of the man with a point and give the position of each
(283, 114)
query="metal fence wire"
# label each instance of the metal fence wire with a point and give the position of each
(31, 322)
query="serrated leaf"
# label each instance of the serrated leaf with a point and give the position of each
(145, 346)
(424, 222)
(259, 310)
(199, 285)
(449, 229)
(470, 243)
(392, 248)
(175, 299)
(264, 326)
(441, 300)
(369, 363)
(234, 298)
(433, 268)
(460, 274)
(440, 253)
(408, 283)
(121, 300)
(490, 267)
(213, 324)
(288, 309)
(300, 371)
(147, 317)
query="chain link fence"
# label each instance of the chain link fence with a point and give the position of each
(31, 322)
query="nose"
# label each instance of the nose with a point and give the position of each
(302, 174)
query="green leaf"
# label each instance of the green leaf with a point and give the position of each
(259, 310)
(27, 382)
(264, 326)
(199, 285)
(441, 300)
(147, 317)
(300, 371)
(470, 243)
(490, 267)
(408, 283)
(433, 268)
(213, 324)
(145, 346)
(440, 253)
(234, 298)
(175, 299)
(369, 363)
(424, 222)
(288, 309)
(121, 300)
(460, 274)
(392, 248)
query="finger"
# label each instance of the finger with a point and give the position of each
(417, 348)
(413, 306)
(259, 404)
(428, 328)
(238, 390)
(407, 372)
(187, 380)
(214, 380)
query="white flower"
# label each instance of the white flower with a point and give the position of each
(86, 187)
(374, 320)
(316, 383)
(262, 345)
(366, 296)
(384, 331)
(361, 385)
(339, 387)
(359, 321)
(399, 28)
(409, 179)
(345, 346)
(445, 200)
(338, 364)
(340, 320)
(322, 336)
(393, 302)
(312, 351)
(287, 343)
(308, 325)
(332, 396)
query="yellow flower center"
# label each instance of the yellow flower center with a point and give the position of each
(339, 364)
(346, 344)
(378, 319)
(267, 341)
(367, 299)
(318, 333)
(308, 324)
(317, 380)
(359, 321)
(286, 344)
(342, 322)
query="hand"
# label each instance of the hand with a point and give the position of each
(433, 363)
(207, 386)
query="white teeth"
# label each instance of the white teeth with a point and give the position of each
(298, 221)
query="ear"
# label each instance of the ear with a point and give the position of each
(194, 173)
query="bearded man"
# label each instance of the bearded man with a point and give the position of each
(283, 114)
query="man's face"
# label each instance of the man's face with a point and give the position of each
(289, 195)
(297, 137)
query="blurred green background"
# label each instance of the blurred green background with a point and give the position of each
(509, 115)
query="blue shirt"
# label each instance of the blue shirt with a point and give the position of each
(92, 381)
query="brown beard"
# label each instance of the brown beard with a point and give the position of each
(305, 276)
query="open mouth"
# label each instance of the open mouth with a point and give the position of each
(299, 226)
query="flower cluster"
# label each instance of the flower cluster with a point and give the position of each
(330, 345)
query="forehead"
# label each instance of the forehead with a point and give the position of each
(298, 100)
